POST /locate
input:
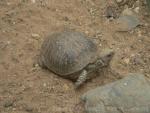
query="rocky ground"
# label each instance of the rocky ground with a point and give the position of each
(26, 88)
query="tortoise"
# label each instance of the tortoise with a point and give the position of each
(72, 55)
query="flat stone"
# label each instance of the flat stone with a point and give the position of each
(8, 103)
(127, 22)
(128, 95)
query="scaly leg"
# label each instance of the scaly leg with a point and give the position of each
(82, 78)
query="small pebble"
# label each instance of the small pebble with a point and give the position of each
(127, 60)
(86, 32)
(36, 65)
(8, 42)
(137, 9)
(137, 60)
(33, 1)
(44, 85)
(100, 45)
(3, 45)
(110, 12)
(8, 3)
(34, 35)
(14, 23)
(66, 87)
(119, 1)
(125, 84)
(66, 18)
(139, 33)
(14, 109)
(9, 103)
(29, 109)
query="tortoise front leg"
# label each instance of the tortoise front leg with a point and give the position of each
(81, 79)
(85, 73)
(40, 62)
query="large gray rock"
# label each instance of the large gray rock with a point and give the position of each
(128, 95)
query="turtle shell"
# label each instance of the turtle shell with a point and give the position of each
(67, 52)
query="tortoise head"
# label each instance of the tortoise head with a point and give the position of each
(104, 58)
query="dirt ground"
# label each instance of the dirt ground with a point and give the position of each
(24, 24)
